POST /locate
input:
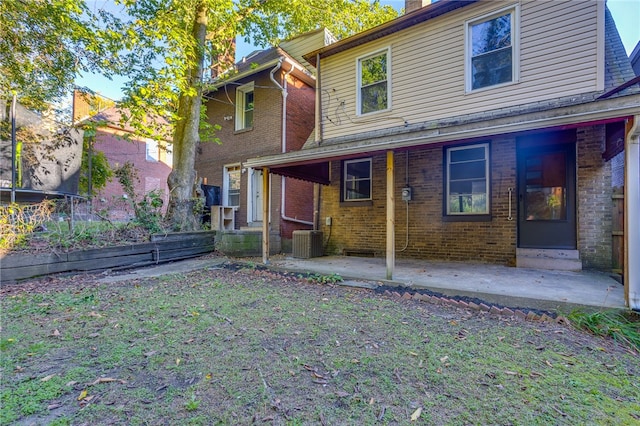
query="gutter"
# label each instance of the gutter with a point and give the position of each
(283, 90)
(607, 109)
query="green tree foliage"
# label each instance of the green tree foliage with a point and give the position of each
(169, 42)
(44, 44)
(101, 172)
(161, 46)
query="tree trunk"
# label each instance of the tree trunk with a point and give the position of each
(183, 212)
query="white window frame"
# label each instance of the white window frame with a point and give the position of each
(344, 179)
(387, 52)
(241, 92)
(487, 160)
(152, 151)
(514, 10)
(226, 184)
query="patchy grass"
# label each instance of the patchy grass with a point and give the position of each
(621, 326)
(236, 347)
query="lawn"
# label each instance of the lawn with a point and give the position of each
(242, 345)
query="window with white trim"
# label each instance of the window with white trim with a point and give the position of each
(244, 107)
(231, 185)
(152, 153)
(373, 83)
(356, 180)
(492, 50)
(467, 180)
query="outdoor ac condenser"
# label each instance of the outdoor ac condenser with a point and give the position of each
(307, 244)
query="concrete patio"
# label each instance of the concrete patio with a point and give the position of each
(508, 286)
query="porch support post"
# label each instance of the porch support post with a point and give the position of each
(631, 214)
(266, 196)
(391, 208)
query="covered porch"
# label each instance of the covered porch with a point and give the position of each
(311, 163)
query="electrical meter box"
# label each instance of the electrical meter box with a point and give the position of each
(406, 193)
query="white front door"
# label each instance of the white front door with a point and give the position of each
(256, 196)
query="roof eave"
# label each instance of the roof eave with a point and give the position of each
(405, 21)
(599, 111)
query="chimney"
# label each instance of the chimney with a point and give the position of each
(413, 5)
(225, 60)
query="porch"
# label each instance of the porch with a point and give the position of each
(508, 286)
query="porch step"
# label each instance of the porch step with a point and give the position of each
(252, 227)
(559, 260)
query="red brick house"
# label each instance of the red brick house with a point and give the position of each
(152, 160)
(479, 131)
(264, 106)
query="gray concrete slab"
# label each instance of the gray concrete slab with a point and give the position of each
(514, 287)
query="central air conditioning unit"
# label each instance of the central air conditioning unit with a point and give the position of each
(307, 244)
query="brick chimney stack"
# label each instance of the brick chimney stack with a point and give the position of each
(413, 5)
(225, 59)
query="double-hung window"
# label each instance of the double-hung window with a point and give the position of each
(492, 50)
(244, 107)
(373, 83)
(232, 186)
(356, 180)
(467, 180)
(153, 153)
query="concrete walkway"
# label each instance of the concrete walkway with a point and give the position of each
(507, 286)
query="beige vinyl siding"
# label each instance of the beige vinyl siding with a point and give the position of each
(304, 44)
(557, 57)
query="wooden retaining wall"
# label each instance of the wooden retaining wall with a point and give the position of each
(162, 248)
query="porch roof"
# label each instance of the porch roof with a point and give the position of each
(568, 113)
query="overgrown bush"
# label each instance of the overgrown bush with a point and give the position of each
(17, 222)
(148, 209)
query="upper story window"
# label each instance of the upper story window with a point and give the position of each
(492, 50)
(153, 153)
(244, 107)
(231, 186)
(356, 180)
(373, 83)
(467, 180)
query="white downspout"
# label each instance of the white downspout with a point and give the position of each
(284, 92)
(631, 214)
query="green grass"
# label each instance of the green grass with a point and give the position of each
(223, 347)
(621, 326)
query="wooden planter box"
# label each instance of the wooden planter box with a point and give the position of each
(162, 248)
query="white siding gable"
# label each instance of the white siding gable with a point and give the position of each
(559, 55)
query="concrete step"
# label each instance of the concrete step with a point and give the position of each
(553, 259)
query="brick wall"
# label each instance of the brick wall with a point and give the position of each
(152, 174)
(265, 138)
(429, 237)
(364, 226)
(594, 199)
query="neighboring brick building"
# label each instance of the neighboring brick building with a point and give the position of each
(151, 161)
(264, 106)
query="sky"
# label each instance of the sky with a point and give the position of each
(626, 14)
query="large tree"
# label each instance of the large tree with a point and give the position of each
(170, 41)
(161, 46)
